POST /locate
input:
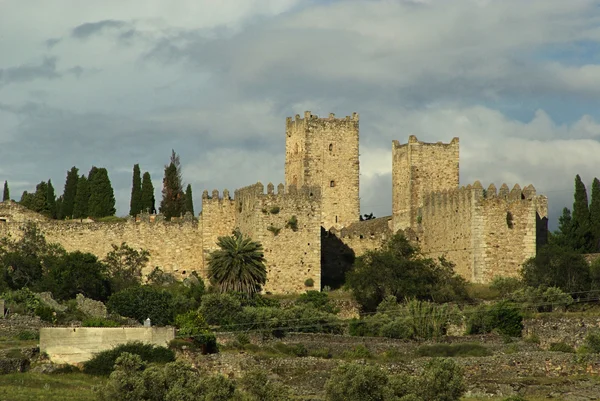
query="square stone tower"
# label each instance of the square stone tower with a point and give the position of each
(419, 168)
(323, 152)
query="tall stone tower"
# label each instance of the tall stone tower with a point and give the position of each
(419, 168)
(323, 152)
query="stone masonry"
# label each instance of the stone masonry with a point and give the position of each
(312, 222)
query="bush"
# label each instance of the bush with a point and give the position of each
(358, 352)
(453, 350)
(309, 282)
(506, 285)
(592, 342)
(561, 347)
(143, 302)
(220, 309)
(259, 387)
(27, 335)
(46, 313)
(103, 362)
(320, 300)
(353, 382)
(193, 325)
(540, 299)
(324, 353)
(502, 316)
(23, 299)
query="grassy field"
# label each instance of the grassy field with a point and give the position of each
(57, 387)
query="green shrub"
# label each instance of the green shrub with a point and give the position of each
(428, 320)
(309, 282)
(506, 285)
(398, 328)
(453, 350)
(103, 362)
(561, 347)
(24, 299)
(592, 342)
(358, 352)
(292, 223)
(324, 353)
(220, 309)
(354, 382)
(99, 322)
(541, 299)
(275, 210)
(259, 387)
(46, 313)
(442, 380)
(502, 316)
(27, 335)
(514, 398)
(143, 302)
(320, 300)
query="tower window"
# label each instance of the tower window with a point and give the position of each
(330, 147)
(336, 219)
(332, 183)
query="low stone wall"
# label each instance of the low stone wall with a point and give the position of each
(75, 345)
(14, 324)
(552, 329)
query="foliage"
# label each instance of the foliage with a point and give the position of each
(50, 200)
(274, 230)
(506, 285)
(554, 266)
(503, 316)
(427, 319)
(148, 202)
(453, 350)
(592, 342)
(103, 362)
(239, 265)
(173, 198)
(309, 282)
(220, 309)
(189, 200)
(353, 382)
(143, 302)
(259, 387)
(274, 210)
(398, 270)
(193, 325)
(442, 380)
(78, 273)
(102, 198)
(6, 192)
(292, 223)
(69, 193)
(595, 216)
(561, 347)
(125, 266)
(583, 237)
(82, 197)
(540, 299)
(27, 335)
(23, 297)
(320, 300)
(135, 202)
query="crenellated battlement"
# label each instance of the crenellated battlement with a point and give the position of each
(412, 140)
(311, 118)
(258, 190)
(476, 194)
(215, 196)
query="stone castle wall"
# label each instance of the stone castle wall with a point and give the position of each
(292, 255)
(175, 247)
(323, 152)
(217, 219)
(419, 168)
(485, 233)
(366, 235)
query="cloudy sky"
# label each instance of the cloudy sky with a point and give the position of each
(119, 82)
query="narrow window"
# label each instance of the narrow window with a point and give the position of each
(332, 183)
(331, 147)
(336, 219)
(509, 220)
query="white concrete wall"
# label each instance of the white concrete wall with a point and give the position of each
(78, 344)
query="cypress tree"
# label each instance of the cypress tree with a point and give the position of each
(173, 200)
(50, 200)
(40, 203)
(581, 218)
(189, 201)
(82, 197)
(102, 196)
(59, 208)
(595, 215)
(27, 200)
(68, 197)
(147, 200)
(6, 195)
(135, 204)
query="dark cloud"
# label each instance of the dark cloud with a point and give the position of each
(50, 43)
(29, 72)
(88, 29)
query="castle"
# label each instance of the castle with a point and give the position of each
(312, 223)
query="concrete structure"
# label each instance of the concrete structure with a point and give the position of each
(311, 223)
(75, 345)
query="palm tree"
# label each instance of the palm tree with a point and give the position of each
(238, 266)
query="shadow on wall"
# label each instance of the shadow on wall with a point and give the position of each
(337, 258)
